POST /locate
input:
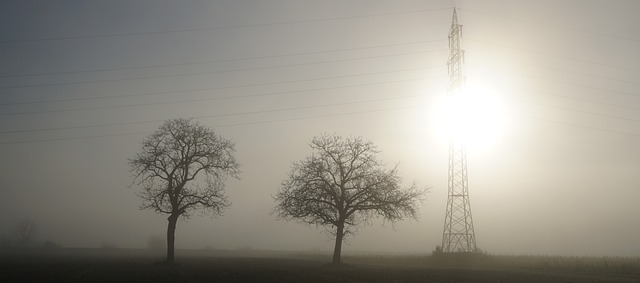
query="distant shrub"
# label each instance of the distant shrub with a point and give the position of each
(437, 251)
(108, 246)
(481, 251)
(50, 245)
(156, 242)
(244, 248)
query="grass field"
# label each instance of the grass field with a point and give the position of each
(121, 265)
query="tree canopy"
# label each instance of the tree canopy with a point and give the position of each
(342, 185)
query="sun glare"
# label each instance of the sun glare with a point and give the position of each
(473, 115)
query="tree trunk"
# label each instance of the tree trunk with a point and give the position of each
(171, 237)
(338, 248)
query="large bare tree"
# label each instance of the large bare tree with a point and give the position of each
(342, 185)
(181, 169)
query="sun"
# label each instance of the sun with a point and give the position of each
(473, 114)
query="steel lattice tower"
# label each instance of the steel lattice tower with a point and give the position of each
(458, 234)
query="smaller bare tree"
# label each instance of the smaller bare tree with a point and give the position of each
(342, 185)
(25, 231)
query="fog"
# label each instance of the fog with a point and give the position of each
(83, 82)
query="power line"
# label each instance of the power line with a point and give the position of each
(303, 118)
(110, 35)
(245, 96)
(561, 69)
(320, 62)
(217, 115)
(213, 72)
(217, 88)
(64, 110)
(350, 113)
(575, 84)
(19, 103)
(554, 26)
(580, 99)
(584, 126)
(553, 55)
(221, 60)
(319, 116)
(73, 138)
(205, 99)
(581, 85)
(203, 89)
(219, 126)
(244, 113)
(582, 111)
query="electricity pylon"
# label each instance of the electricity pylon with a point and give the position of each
(458, 234)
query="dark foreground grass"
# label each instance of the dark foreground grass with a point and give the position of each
(132, 266)
(603, 265)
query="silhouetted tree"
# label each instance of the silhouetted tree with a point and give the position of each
(342, 185)
(25, 230)
(182, 168)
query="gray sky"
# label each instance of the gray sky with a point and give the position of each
(82, 83)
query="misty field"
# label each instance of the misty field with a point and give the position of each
(121, 265)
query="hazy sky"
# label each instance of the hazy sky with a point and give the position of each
(83, 82)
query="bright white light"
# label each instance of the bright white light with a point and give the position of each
(473, 115)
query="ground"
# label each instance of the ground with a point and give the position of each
(83, 265)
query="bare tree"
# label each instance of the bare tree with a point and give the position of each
(25, 230)
(342, 185)
(182, 168)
